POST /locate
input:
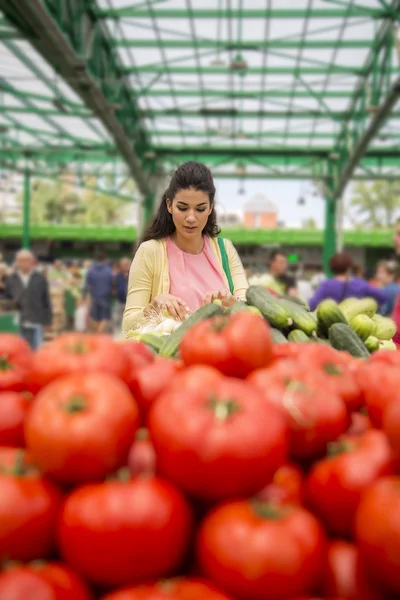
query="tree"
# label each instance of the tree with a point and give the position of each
(310, 223)
(375, 205)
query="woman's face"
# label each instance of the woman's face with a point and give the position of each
(382, 276)
(190, 210)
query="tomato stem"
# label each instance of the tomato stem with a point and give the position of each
(267, 510)
(333, 369)
(75, 404)
(219, 323)
(142, 435)
(336, 448)
(5, 364)
(79, 347)
(223, 409)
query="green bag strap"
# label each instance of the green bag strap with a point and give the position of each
(225, 263)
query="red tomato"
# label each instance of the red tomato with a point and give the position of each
(315, 415)
(137, 349)
(337, 367)
(387, 357)
(152, 379)
(360, 423)
(256, 551)
(379, 383)
(391, 426)
(341, 576)
(377, 531)
(14, 407)
(9, 457)
(290, 350)
(81, 427)
(42, 581)
(190, 378)
(170, 589)
(217, 441)
(78, 353)
(15, 362)
(142, 456)
(140, 529)
(28, 512)
(220, 343)
(286, 486)
(335, 484)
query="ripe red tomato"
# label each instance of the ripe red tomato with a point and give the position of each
(335, 484)
(387, 357)
(379, 383)
(256, 551)
(118, 532)
(360, 423)
(337, 368)
(10, 456)
(377, 531)
(42, 581)
(217, 441)
(315, 415)
(14, 407)
(286, 486)
(291, 350)
(81, 427)
(137, 349)
(391, 426)
(170, 589)
(142, 456)
(28, 512)
(15, 362)
(151, 380)
(341, 575)
(78, 353)
(220, 343)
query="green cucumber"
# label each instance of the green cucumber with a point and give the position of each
(271, 309)
(328, 313)
(171, 345)
(385, 328)
(351, 307)
(363, 326)
(304, 320)
(372, 343)
(342, 337)
(277, 336)
(297, 335)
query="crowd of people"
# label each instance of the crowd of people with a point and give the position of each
(65, 295)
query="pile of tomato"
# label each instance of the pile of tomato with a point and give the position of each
(244, 470)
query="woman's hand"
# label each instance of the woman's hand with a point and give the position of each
(226, 298)
(177, 308)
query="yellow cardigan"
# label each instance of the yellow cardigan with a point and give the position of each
(149, 277)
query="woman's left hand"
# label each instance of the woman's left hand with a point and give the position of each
(226, 298)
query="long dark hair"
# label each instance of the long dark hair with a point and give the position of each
(190, 175)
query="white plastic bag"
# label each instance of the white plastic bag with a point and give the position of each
(80, 320)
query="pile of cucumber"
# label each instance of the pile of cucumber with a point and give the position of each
(352, 325)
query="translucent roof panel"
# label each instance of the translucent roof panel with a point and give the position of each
(284, 82)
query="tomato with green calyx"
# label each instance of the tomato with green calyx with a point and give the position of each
(11, 456)
(377, 531)
(81, 427)
(121, 532)
(314, 413)
(42, 581)
(257, 551)
(14, 408)
(220, 343)
(170, 589)
(78, 353)
(28, 512)
(336, 483)
(15, 362)
(218, 441)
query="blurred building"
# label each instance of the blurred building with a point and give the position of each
(260, 213)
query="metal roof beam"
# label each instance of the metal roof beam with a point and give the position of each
(246, 94)
(64, 34)
(192, 70)
(289, 13)
(242, 45)
(254, 114)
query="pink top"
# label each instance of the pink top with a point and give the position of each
(193, 275)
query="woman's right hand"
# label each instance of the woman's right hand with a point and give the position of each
(176, 307)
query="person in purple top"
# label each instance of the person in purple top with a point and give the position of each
(342, 285)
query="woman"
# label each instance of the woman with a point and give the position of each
(386, 277)
(181, 264)
(342, 285)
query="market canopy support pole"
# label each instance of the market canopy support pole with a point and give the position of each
(329, 246)
(26, 211)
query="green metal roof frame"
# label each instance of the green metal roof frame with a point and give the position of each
(306, 89)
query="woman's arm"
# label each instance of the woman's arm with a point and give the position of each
(237, 271)
(140, 285)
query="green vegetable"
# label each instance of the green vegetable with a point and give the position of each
(328, 313)
(385, 328)
(271, 309)
(342, 337)
(363, 326)
(297, 335)
(277, 336)
(303, 319)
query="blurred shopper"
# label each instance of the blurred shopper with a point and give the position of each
(386, 278)
(29, 289)
(3, 279)
(278, 278)
(396, 311)
(73, 295)
(98, 286)
(121, 290)
(343, 285)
